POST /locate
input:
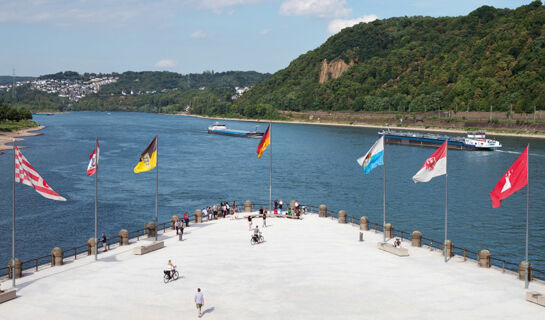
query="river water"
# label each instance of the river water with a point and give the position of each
(313, 164)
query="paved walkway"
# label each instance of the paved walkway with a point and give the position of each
(309, 269)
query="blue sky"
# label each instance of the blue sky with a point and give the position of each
(47, 36)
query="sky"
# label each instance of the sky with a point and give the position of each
(187, 36)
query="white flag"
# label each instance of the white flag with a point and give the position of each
(93, 161)
(436, 165)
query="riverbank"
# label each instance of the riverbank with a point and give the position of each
(366, 125)
(7, 137)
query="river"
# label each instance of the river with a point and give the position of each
(311, 163)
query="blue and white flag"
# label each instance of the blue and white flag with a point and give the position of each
(374, 157)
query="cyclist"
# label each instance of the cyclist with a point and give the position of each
(256, 233)
(171, 268)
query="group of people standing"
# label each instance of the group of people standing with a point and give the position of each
(223, 209)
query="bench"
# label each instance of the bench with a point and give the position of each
(535, 297)
(7, 295)
(149, 248)
(402, 252)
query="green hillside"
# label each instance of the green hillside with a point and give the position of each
(489, 58)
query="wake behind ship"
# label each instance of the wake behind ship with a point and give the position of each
(474, 141)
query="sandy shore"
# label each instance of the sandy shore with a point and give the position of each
(337, 124)
(7, 137)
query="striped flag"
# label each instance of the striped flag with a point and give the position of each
(265, 141)
(93, 161)
(374, 157)
(435, 165)
(148, 158)
(25, 174)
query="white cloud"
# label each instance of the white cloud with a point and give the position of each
(199, 34)
(265, 32)
(166, 63)
(315, 8)
(339, 24)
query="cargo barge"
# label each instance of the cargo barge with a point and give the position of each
(218, 128)
(474, 141)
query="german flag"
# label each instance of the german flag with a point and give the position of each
(265, 141)
(148, 159)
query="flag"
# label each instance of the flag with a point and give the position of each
(93, 161)
(265, 141)
(435, 166)
(25, 174)
(148, 158)
(513, 180)
(374, 157)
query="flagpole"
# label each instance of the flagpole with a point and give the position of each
(156, 186)
(446, 200)
(270, 166)
(526, 280)
(13, 225)
(384, 197)
(96, 201)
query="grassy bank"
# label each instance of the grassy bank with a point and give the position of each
(8, 125)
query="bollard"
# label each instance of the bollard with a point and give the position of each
(18, 269)
(123, 237)
(180, 236)
(56, 257)
(416, 237)
(91, 246)
(342, 216)
(522, 271)
(361, 236)
(449, 249)
(173, 221)
(247, 206)
(389, 231)
(152, 229)
(364, 223)
(322, 211)
(484, 258)
(198, 216)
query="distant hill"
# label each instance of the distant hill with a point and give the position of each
(491, 58)
(146, 91)
(9, 79)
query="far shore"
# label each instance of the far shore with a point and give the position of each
(361, 125)
(9, 137)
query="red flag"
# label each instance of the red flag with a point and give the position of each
(93, 161)
(25, 174)
(435, 165)
(513, 180)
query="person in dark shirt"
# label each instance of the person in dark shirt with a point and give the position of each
(104, 242)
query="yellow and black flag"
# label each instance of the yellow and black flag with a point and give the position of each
(148, 159)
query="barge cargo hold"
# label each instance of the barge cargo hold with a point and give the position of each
(218, 128)
(474, 141)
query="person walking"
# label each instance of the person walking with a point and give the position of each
(265, 218)
(249, 222)
(104, 242)
(199, 300)
(186, 219)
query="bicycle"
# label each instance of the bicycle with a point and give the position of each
(256, 240)
(167, 277)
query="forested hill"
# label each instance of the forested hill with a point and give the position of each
(489, 58)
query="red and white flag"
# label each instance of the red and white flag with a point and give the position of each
(513, 180)
(25, 174)
(436, 165)
(93, 161)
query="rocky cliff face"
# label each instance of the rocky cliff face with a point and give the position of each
(334, 69)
